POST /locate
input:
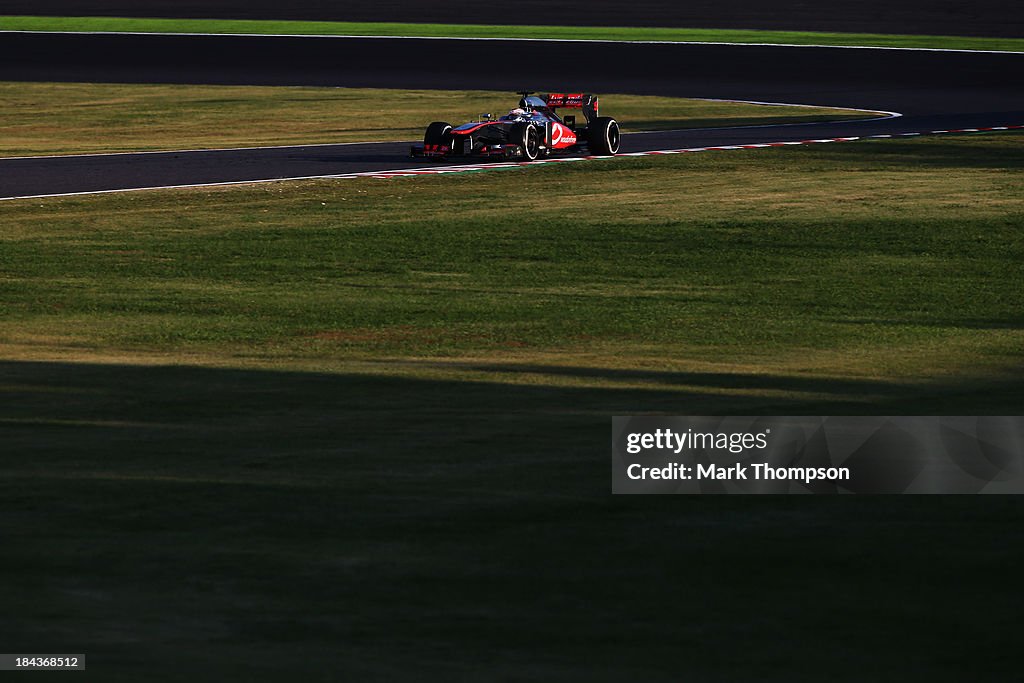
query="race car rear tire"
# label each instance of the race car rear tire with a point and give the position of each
(603, 136)
(438, 133)
(527, 137)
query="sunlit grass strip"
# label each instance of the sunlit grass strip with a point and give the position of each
(883, 256)
(337, 28)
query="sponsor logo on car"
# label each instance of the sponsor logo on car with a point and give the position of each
(561, 136)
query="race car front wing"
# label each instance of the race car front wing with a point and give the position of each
(499, 151)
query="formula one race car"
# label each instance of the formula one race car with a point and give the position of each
(530, 131)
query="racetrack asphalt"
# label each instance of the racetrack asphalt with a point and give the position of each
(934, 90)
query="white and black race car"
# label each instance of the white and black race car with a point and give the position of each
(530, 131)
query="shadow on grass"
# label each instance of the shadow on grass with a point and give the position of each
(221, 420)
(72, 408)
(841, 388)
(249, 525)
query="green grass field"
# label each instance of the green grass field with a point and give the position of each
(64, 118)
(347, 430)
(890, 261)
(263, 27)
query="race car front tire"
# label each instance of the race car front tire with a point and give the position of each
(528, 138)
(438, 133)
(603, 136)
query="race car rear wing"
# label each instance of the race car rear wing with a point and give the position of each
(578, 100)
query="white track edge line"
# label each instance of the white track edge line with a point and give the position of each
(528, 40)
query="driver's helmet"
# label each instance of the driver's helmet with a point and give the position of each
(516, 113)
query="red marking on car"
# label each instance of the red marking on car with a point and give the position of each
(561, 136)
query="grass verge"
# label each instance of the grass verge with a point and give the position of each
(884, 257)
(64, 118)
(318, 28)
(360, 428)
